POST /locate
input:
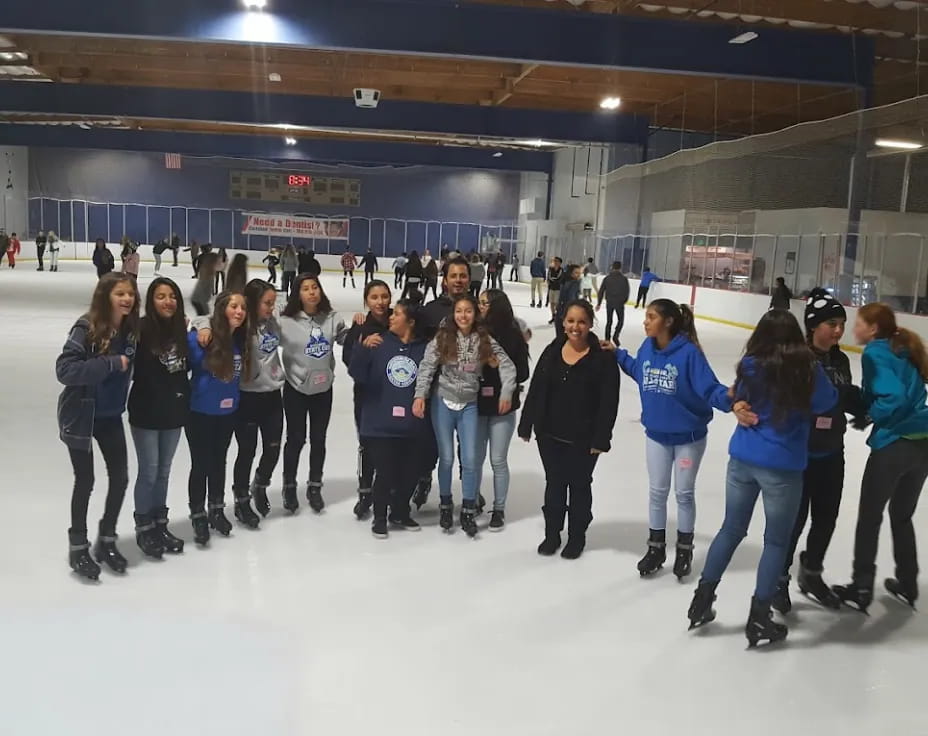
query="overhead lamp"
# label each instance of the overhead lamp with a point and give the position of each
(273, 77)
(901, 145)
(255, 4)
(290, 141)
(537, 143)
(610, 103)
(83, 126)
(498, 154)
(743, 38)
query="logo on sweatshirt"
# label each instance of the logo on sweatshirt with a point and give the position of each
(268, 343)
(318, 346)
(659, 380)
(236, 367)
(402, 371)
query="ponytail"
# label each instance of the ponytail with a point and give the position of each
(902, 341)
(688, 324)
(682, 319)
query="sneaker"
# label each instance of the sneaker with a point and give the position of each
(497, 521)
(379, 528)
(409, 524)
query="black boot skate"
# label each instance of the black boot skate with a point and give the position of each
(421, 495)
(761, 626)
(550, 544)
(217, 519)
(811, 585)
(781, 602)
(258, 492)
(363, 507)
(243, 511)
(148, 537)
(379, 528)
(481, 504)
(856, 594)
(314, 496)
(105, 552)
(79, 557)
(200, 527)
(576, 543)
(701, 611)
(683, 564)
(172, 545)
(905, 592)
(446, 516)
(656, 555)
(469, 519)
(291, 502)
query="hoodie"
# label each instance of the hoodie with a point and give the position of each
(160, 395)
(783, 445)
(209, 394)
(648, 278)
(894, 393)
(308, 343)
(387, 375)
(265, 371)
(678, 390)
(459, 382)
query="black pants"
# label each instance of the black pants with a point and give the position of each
(272, 275)
(174, 253)
(286, 281)
(262, 412)
(40, 253)
(894, 475)
(111, 439)
(195, 262)
(411, 286)
(220, 276)
(433, 285)
(365, 463)
(208, 437)
(619, 311)
(514, 273)
(642, 299)
(475, 288)
(568, 477)
(396, 474)
(397, 278)
(297, 406)
(346, 274)
(369, 276)
(822, 484)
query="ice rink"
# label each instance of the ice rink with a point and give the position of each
(312, 626)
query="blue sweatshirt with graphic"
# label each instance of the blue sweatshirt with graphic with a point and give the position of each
(894, 394)
(678, 390)
(387, 375)
(648, 278)
(777, 445)
(209, 394)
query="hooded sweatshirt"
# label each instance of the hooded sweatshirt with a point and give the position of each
(777, 445)
(894, 394)
(160, 395)
(678, 390)
(266, 373)
(308, 343)
(209, 394)
(459, 382)
(387, 375)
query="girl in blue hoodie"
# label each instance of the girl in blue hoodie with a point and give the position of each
(216, 374)
(784, 385)
(678, 392)
(895, 369)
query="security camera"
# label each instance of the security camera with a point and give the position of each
(368, 98)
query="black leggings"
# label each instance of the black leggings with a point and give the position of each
(208, 437)
(365, 464)
(433, 285)
(822, 485)
(568, 478)
(286, 281)
(396, 472)
(619, 311)
(895, 475)
(111, 439)
(262, 411)
(272, 274)
(319, 408)
(642, 299)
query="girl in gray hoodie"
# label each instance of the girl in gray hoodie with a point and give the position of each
(457, 355)
(309, 330)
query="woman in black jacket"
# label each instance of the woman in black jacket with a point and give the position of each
(377, 297)
(414, 274)
(571, 406)
(494, 429)
(159, 403)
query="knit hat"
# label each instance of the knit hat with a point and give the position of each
(821, 307)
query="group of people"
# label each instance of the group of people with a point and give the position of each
(10, 246)
(444, 380)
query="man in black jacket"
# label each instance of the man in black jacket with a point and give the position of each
(455, 280)
(570, 291)
(369, 262)
(780, 299)
(615, 292)
(40, 242)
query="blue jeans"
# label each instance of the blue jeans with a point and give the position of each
(445, 423)
(682, 462)
(781, 491)
(497, 431)
(155, 449)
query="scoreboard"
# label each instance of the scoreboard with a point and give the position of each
(292, 186)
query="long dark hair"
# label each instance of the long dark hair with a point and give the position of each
(373, 283)
(446, 339)
(220, 355)
(100, 315)
(902, 341)
(682, 320)
(500, 320)
(254, 291)
(784, 366)
(160, 335)
(412, 308)
(237, 274)
(295, 304)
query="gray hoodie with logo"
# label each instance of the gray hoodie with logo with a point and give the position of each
(307, 344)
(266, 373)
(459, 382)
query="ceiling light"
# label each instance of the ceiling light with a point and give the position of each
(536, 142)
(903, 145)
(283, 126)
(498, 154)
(273, 77)
(610, 103)
(255, 4)
(290, 141)
(83, 126)
(742, 38)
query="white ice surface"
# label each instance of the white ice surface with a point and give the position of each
(311, 626)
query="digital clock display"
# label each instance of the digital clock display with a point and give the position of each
(299, 180)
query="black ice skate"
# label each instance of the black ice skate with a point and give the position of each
(761, 626)
(363, 507)
(217, 519)
(907, 593)
(379, 528)
(481, 504)
(469, 519)
(314, 496)
(243, 511)
(421, 495)
(683, 564)
(446, 516)
(258, 492)
(812, 586)
(407, 523)
(290, 501)
(855, 595)
(148, 537)
(105, 552)
(81, 562)
(172, 545)
(781, 601)
(701, 611)
(200, 527)
(656, 555)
